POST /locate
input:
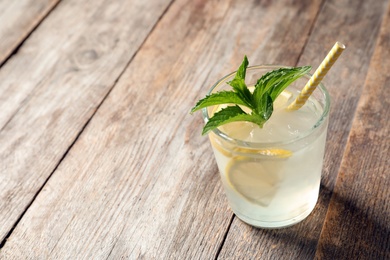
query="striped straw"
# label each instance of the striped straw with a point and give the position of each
(317, 76)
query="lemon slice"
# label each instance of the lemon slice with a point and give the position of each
(283, 99)
(219, 108)
(240, 130)
(229, 150)
(219, 147)
(273, 152)
(255, 180)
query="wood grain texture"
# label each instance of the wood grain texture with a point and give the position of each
(356, 24)
(18, 19)
(50, 89)
(361, 195)
(141, 182)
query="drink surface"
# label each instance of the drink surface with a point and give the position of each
(282, 125)
(276, 186)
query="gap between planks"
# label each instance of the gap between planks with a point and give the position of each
(27, 35)
(224, 237)
(15, 51)
(310, 31)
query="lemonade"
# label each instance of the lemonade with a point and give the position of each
(272, 174)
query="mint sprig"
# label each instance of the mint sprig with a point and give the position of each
(260, 102)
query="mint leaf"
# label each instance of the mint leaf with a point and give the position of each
(265, 107)
(222, 97)
(242, 91)
(267, 89)
(241, 72)
(274, 82)
(230, 114)
(238, 83)
(270, 85)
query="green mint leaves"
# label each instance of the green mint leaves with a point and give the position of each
(260, 102)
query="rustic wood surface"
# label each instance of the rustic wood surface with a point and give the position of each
(361, 195)
(55, 83)
(100, 159)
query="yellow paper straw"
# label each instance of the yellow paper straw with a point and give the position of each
(317, 76)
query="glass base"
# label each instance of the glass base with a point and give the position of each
(275, 224)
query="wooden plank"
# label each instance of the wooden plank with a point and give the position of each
(141, 182)
(18, 19)
(347, 22)
(361, 195)
(58, 78)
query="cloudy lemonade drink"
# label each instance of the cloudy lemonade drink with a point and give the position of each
(271, 174)
(269, 139)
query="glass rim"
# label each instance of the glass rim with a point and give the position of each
(303, 135)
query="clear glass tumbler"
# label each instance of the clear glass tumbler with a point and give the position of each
(271, 176)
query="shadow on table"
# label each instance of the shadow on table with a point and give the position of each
(356, 226)
(348, 231)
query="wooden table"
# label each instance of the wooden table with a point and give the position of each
(100, 158)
